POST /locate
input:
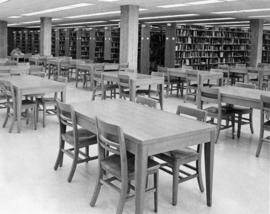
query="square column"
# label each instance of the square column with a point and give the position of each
(256, 38)
(145, 49)
(45, 42)
(170, 43)
(3, 39)
(129, 35)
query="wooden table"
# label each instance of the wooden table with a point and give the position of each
(135, 80)
(27, 84)
(150, 131)
(242, 96)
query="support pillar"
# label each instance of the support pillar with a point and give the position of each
(145, 49)
(169, 60)
(45, 36)
(256, 38)
(129, 35)
(3, 39)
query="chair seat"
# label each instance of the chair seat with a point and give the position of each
(214, 110)
(240, 110)
(85, 137)
(183, 154)
(113, 166)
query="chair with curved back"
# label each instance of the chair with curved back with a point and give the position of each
(116, 164)
(74, 136)
(177, 162)
(146, 101)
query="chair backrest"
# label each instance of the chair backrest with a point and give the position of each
(162, 69)
(67, 118)
(34, 68)
(146, 101)
(265, 103)
(191, 112)
(238, 65)
(192, 75)
(123, 80)
(19, 70)
(98, 69)
(111, 67)
(111, 141)
(209, 95)
(157, 74)
(245, 85)
(123, 66)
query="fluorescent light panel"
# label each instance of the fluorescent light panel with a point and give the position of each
(218, 23)
(169, 16)
(3, 1)
(68, 7)
(242, 11)
(81, 23)
(195, 3)
(194, 20)
(261, 16)
(99, 14)
(14, 17)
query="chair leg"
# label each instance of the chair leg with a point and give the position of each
(35, 117)
(6, 118)
(199, 177)
(94, 93)
(87, 151)
(260, 143)
(123, 196)
(156, 191)
(59, 159)
(175, 170)
(12, 123)
(233, 125)
(239, 125)
(251, 121)
(74, 165)
(44, 115)
(97, 189)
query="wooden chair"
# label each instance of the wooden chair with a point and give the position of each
(123, 66)
(116, 164)
(219, 112)
(123, 85)
(237, 74)
(26, 106)
(98, 79)
(171, 83)
(192, 84)
(239, 111)
(264, 125)
(37, 70)
(174, 160)
(146, 101)
(45, 102)
(225, 73)
(75, 137)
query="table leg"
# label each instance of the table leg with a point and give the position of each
(140, 177)
(19, 108)
(103, 92)
(63, 95)
(77, 74)
(132, 92)
(161, 95)
(209, 164)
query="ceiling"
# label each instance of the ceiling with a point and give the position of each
(205, 11)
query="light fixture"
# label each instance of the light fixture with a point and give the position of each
(81, 23)
(108, 0)
(168, 16)
(3, 1)
(224, 23)
(242, 11)
(194, 20)
(194, 3)
(260, 16)
(68, 7)
(24, 23)
(99, 14)
(14, 17)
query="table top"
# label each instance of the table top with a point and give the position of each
(32, 82)
(243, 93)
(131, 75)
(141, 123)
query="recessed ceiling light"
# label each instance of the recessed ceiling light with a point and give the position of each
(169, 16)
(242, 11)
(261, 16)
(193, 20)
(3, 1)
(81, 23)
(68, 7)
(194, 3)
(14, 17)
(99, 14)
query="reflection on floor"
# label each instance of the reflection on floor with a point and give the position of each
(28, 183)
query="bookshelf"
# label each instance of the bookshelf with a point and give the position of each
(207, 47)
(99, 47)
(115, 44)
(72, 42)
(85, 43)
(266, 47)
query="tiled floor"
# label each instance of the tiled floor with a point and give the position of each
(28, 183)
